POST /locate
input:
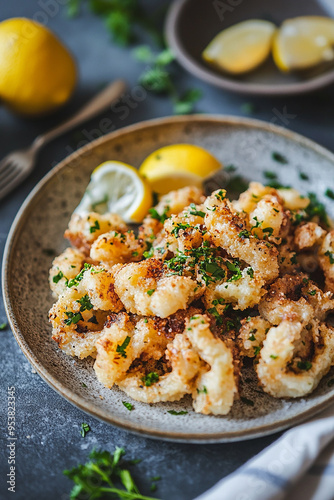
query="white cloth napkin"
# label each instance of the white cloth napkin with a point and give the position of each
(298, 466)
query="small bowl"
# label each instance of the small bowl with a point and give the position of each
(192, 24)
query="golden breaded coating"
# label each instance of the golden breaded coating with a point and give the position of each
(326, 260)
(295, 298)
(251, 335)
(117, 248)
(249, 199)
(160, 311)
(215, 387)
(307, 235)
(98, 283)
(268, 217)
(84, 230)
(172, 386)
(144, 289)
(170, 204)
(292, 199)
(65, 267)
(114, 349)
(285, 375)
(76, 325)
(228, 231)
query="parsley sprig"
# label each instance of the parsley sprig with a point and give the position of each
(158, 78)
(104, 476)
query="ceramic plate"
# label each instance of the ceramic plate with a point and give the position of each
(39, 227)
(192, 24)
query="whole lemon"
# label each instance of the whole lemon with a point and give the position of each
(37, 72)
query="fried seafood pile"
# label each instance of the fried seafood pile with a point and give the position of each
(205, 283)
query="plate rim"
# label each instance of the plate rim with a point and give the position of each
(219, 80)
(79, 401)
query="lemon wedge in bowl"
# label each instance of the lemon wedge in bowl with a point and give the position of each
(178, 165)
(117, 188)
(303, 42)
(241, 47)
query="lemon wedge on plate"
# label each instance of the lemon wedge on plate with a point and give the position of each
(118, 188)
(242, 47)
(176, 166)
(303, 42)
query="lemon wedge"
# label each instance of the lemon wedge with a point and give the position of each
(118, 188)
(241, 47)
(176, 166)
(304, 42)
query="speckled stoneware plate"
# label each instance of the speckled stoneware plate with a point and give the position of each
(40, 225)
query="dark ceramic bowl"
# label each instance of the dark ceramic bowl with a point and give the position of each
(192, 24)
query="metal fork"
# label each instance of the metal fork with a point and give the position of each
(16, 166)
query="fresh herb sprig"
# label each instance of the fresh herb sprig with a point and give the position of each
(158, 78)
(104, 476)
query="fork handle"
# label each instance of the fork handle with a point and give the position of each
(95, 106)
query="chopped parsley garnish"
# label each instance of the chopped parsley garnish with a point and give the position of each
(72, 318)
(160, 217)
(268, 230)
(84, 429)
(98, 477)
(273, 356)
(215, 270)
(135, 254)
(127, 405)
(247, 401)
(230, 168)
(312, 292)
(329, 193)
(279, 157)
(85, 303)
(234, 267)
(202, 391)
(150, 292)
(173, 412)
(304, 365)
(230, 325)
(216, 315)
(270, 175)
(221, 195)
(150, 378)
(244, 233)
(257, 349)
(121, 349)
(252, 337)
(148, 253)
(330, 256)
(250, 272)
(178, 228)
(303, 176)
(293, 259)
(58, 277)
(194, 211)
(3, 326)
(75, 281)
(94, 228)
